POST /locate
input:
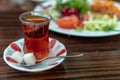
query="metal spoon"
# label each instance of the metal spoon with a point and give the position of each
(72, 56)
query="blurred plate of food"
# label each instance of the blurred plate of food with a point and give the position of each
(86, 18)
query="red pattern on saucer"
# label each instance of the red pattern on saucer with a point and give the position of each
(15, 47)
(11, 60)
(52, 43)
(61, 52)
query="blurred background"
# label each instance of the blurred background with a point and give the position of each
(19, 6)
(9, 5)
(12, 7)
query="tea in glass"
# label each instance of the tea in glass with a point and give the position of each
(36, 38)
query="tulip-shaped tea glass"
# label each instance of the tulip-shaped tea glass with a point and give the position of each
(36, 38)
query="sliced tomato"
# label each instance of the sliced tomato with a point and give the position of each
(68, 22)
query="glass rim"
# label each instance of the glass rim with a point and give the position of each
(27, 22)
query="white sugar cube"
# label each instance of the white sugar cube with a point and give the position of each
(29, 59)
(17, 56)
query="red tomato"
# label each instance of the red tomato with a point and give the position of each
(68, 22)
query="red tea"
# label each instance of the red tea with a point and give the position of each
(36, 36)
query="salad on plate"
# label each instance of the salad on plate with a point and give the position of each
(84, 15)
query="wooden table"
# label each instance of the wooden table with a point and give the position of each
(101, 59)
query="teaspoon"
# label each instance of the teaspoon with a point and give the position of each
(72, 56)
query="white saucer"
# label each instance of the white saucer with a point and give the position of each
(57, 49)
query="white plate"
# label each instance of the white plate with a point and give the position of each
(54, 27)
(58, 49)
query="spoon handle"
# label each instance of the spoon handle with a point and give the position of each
(30, 66)
(78, 55)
